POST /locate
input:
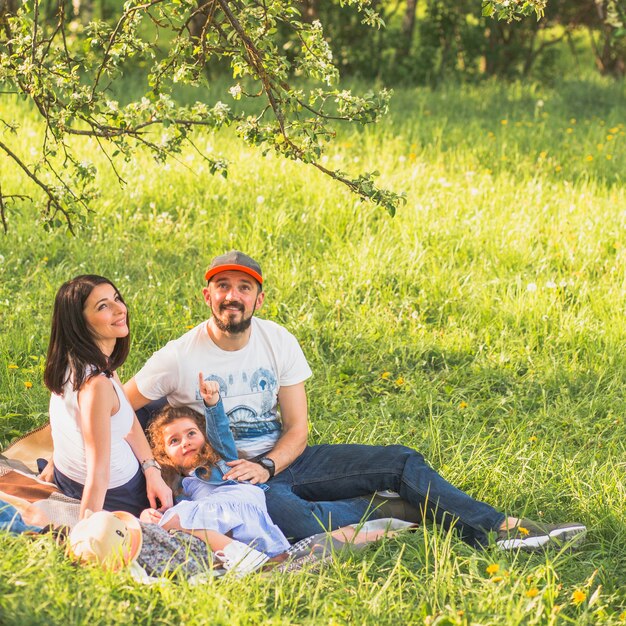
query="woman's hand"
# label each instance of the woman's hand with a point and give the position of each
(47, 473)
(157, 490)
(209, 390)
(150, 516)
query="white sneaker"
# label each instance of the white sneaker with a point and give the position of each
(240, 559)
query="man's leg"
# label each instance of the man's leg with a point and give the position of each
(338, 472)
(299, 518)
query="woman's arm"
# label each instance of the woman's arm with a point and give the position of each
(156, 488)
(96, 400)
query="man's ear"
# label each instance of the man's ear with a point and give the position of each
(259, 301)
(207, 295)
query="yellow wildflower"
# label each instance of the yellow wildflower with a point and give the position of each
(543, 154)
(579, 596)
(189, 326)
(385, 375)
(609, 137)
(572, 120)
(533, 592)
(399, 380)
(12, 366)
(504, 122)
(28, 384)
(569, 131)
(609, 157)
(614, 130)
(462, 405)
(493, 569)
(523, 531)
(589, 158)
(412, 156)
(532, 439)
(497, 579)
(558, 168)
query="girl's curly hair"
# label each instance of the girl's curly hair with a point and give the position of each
(169, 414)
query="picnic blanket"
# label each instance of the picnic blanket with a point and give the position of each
(41, 504)
(38, 502)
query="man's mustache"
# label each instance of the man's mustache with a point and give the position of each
(229, 303)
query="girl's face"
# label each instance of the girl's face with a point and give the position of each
(183, 442)
(105, 314)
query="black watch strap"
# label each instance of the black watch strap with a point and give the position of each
(267, 463)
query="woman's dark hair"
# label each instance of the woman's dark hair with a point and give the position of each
(73, 354)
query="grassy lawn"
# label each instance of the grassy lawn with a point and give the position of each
(483, 325)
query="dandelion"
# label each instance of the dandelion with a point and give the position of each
(385, 375)
(532, 439)
(494, 568)
(491, 135)
(569, 131)
(572, 120)
(609, 157)
(609, 137)
(533, 592)
(399, 381)
(189, 326)
(551, 284)
(543, 154)
(28, 384)
(462, 405)
(579, 596)
(589, 158)
(412, 156)
(558, 168)
(523, 531)
(531, 287)
(614, 130)
(12, 366)
(497, 579)
(504, 122)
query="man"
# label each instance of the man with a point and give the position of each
(260, 368)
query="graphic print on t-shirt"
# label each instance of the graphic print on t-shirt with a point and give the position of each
(249, 400)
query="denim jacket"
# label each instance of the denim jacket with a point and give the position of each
(222, 441)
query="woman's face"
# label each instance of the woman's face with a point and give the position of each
(183, 442)
(105, 314)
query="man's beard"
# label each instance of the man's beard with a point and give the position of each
(233, 328)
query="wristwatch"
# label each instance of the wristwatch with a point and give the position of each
(148, 463)
(268, 464)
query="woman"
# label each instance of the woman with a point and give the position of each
(101, 454)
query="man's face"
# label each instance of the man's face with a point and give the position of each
(233, 297)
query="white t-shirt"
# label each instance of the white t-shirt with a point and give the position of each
(69, 443)
(249, 379)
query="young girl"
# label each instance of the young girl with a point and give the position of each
(214, 506)
(100, 450)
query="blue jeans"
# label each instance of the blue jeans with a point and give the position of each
(329, 486)
(11, 520)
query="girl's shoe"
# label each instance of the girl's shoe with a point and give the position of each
(240, 559)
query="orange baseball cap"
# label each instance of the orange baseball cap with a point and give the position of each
(235, 261)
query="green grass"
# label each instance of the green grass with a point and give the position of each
(483, 325)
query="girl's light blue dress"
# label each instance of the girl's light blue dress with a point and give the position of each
(236, 508)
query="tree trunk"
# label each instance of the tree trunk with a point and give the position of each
(310, 11)
(406, 30)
